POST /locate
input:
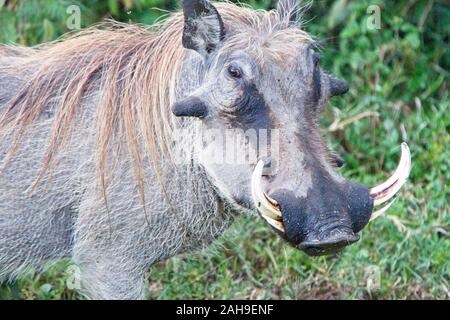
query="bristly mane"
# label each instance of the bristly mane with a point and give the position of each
(135, 70)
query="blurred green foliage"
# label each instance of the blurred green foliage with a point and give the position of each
(35, 21)
(399, 77)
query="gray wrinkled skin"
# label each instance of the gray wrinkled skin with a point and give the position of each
(288, 107)
(65, 216)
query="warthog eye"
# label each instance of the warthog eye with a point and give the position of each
(234, 71)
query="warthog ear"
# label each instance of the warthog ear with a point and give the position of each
(288, 9)
(203, 26)
(190, 107)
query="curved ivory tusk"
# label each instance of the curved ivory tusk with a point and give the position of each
(276, 224)
(266, 206)
(390, 187)
(381, 211)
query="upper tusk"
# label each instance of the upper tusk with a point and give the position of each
(267, 206)
(390, 187)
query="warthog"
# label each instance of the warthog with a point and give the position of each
(93, 126)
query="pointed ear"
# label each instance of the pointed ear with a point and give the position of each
(190, 107)
(288, 10)
(203, 26)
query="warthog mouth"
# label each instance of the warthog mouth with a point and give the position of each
(272, 212)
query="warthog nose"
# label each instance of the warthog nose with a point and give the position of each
(329, 245)
(327, 219)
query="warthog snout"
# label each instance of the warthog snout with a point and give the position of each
(329, 217)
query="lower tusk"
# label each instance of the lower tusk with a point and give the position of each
(276, 224)
(381, 211)
(266, 206)
(390, 187)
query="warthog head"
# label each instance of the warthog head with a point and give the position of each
(263, 86)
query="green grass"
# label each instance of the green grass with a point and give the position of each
(400, 74)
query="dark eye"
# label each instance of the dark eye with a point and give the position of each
(234, 71)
